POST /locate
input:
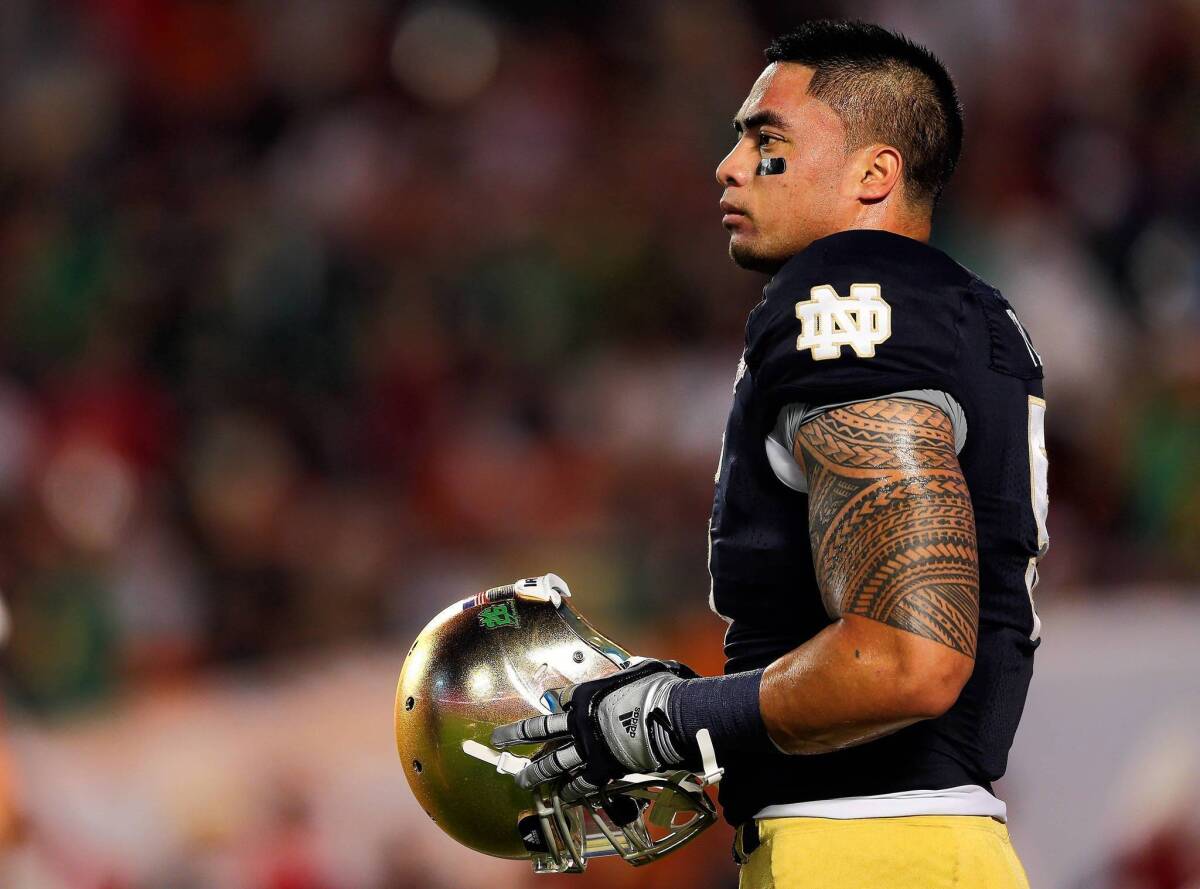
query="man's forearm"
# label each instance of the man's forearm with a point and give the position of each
(854, 681)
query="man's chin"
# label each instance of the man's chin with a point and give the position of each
(746, 257)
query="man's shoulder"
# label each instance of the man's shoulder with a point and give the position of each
(860, 310)
(859, 254)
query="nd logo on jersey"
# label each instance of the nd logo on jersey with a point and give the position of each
(861, 321)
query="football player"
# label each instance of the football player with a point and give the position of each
(880, 505)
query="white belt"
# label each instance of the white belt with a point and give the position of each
(966, 799)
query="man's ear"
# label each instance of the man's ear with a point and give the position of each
(877, 169)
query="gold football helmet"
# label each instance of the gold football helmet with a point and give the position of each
(497, 657)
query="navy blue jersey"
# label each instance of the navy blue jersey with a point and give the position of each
(858, 315)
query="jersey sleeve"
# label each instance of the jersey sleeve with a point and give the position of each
(839, 325)
(781, 440)
(795, 415)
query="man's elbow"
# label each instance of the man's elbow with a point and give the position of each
(931, 681)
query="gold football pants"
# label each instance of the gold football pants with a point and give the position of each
(917, 852)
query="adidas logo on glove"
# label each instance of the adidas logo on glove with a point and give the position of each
(630, 720)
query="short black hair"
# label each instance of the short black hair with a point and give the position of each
(885, 88)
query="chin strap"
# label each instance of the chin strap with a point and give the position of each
(505, 762)
(708, 759)
(508, 764)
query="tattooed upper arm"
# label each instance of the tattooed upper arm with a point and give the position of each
(890, 518)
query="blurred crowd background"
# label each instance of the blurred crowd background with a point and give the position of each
(319, 314)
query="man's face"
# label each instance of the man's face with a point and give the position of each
(771, 218)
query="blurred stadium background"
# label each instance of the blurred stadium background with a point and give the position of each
(319, 314)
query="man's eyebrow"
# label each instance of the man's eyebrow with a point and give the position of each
(765, 117)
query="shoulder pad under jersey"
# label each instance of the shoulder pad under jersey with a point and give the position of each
(856, 315)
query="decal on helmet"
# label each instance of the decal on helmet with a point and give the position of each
(502, 614)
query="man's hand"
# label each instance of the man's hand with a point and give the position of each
(616, 726)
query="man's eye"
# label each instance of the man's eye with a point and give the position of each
(765, 139)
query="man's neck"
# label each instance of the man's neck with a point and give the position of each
(893, 216)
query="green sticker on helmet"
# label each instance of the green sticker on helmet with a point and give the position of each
(502, 614)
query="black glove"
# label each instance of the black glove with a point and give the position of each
(617, 725)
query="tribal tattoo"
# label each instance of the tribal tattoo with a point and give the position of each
(890, 518)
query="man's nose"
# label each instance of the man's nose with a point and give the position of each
(735, 168)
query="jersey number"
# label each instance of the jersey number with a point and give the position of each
(1039, 492)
